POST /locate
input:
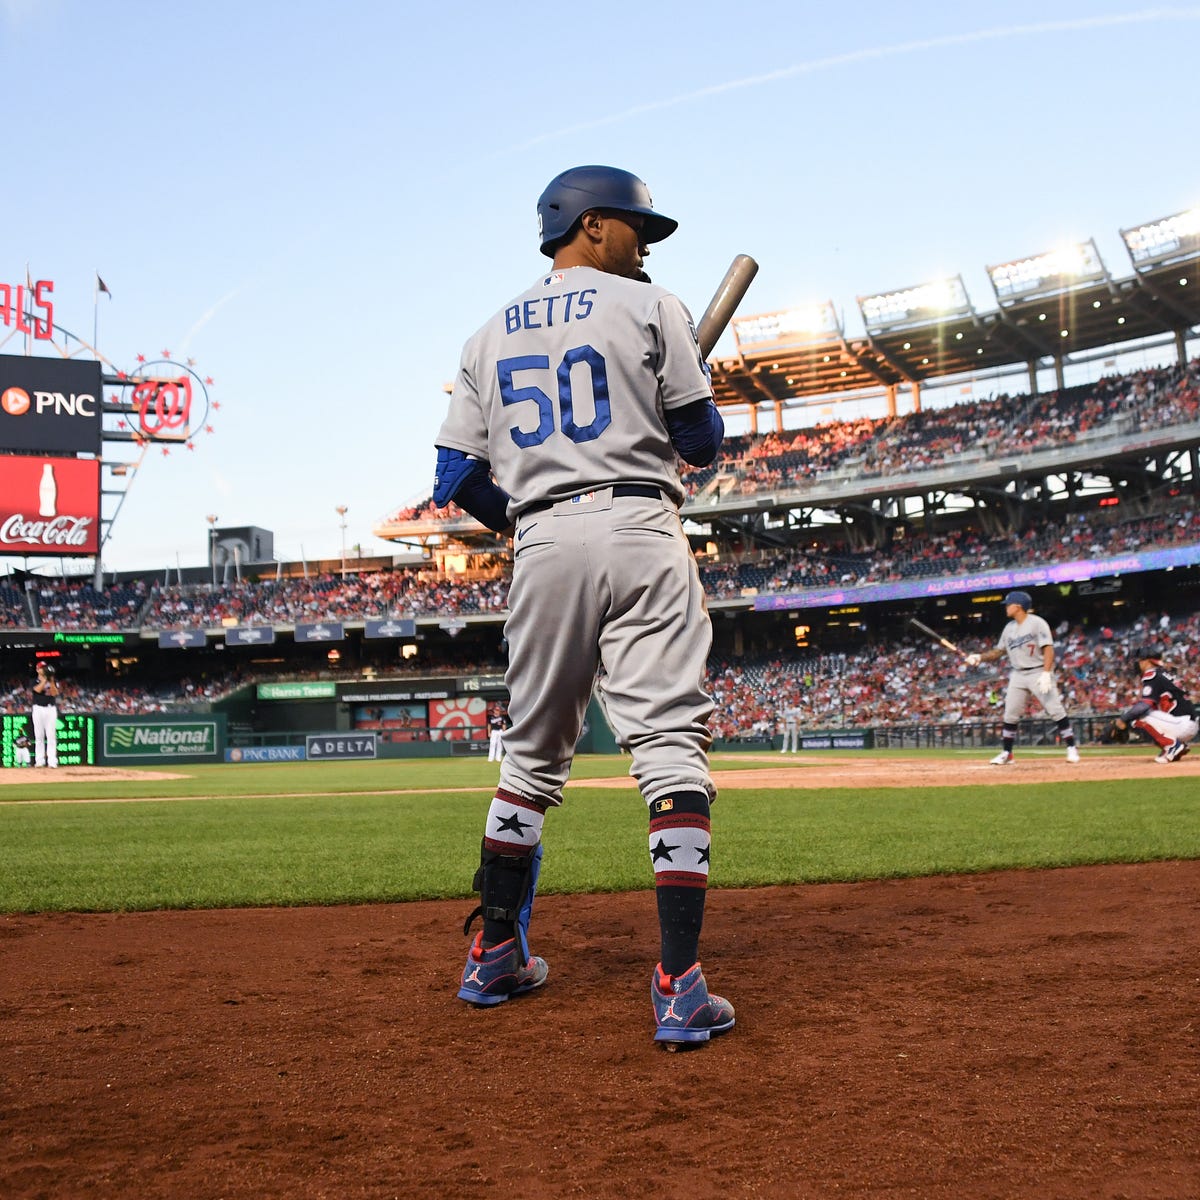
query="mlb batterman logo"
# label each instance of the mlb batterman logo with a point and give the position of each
(15, 401)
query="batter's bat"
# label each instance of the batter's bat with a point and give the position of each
(937, 637)
(725, 300)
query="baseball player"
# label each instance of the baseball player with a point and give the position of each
(21, 755)
(791, 728)
(1162, 712)
(1029, 644)
(497, 724)
(45, 717)
(577, 396)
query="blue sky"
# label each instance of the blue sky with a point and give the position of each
(318, 203)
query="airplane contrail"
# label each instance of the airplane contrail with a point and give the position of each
(1075, 25)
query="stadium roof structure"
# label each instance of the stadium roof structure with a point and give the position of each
(1044, 314)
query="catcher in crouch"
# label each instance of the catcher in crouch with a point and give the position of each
(1162, 711)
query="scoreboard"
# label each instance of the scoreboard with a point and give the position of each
(76, 738)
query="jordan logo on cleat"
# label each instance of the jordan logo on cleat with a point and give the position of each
(475, 976)
(669, 1013)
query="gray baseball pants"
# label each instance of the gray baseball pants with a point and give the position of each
(606, 580)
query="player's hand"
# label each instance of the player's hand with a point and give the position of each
(973, 660)
(1045, 683)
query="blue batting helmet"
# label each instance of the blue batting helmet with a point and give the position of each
(569, 195)
(1022, 598)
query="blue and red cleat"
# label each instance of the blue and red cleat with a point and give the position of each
(492, 975)
(685, 1011)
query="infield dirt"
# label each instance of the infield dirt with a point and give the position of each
(1010, 1034)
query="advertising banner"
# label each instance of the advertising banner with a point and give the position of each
(391, 628)
(159, 739)
(260, 754)
(322, 631)
(297, 691)
(49, 404)
(250, 635)
(463, 720)
(181, 639)
(49, 505)
(340, 745)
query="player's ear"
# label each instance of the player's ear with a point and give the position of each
(592, 224)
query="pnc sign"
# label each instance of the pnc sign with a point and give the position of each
(49, 404)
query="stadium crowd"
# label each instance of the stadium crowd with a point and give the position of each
(420, 591)
(895, 680)
(907, 682)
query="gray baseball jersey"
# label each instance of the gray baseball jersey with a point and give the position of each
(564, 389)
(1023, 642)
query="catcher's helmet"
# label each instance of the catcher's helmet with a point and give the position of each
(1022, 598)
(569, 195)
(1139, 652)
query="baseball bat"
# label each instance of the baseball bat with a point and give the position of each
(725, 300)
(937, 637)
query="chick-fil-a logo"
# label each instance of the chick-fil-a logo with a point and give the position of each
(18, 305)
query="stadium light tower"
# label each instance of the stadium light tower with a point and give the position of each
(341, 511)
(212, 519)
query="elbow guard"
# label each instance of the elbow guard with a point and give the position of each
(696, 431)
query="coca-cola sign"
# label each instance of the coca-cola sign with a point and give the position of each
(49, 505)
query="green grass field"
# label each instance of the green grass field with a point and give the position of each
(405, 830)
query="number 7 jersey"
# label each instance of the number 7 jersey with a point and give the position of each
(564, 389)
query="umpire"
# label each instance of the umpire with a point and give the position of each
(1029, 644)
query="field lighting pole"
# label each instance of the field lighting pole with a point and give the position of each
(341, 511)
(212, 544)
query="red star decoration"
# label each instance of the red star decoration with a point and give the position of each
(141, 358)
(165, 353)
(166, 451)
(208, 429)
(191, 362)
(121, 423)
(114, 399)
(122, 375)
(216, 404)
(191, 445)
(208, 380)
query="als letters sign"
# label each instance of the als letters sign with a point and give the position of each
(49, 404)
(49, 505)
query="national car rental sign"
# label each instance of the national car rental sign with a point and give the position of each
(49, 505)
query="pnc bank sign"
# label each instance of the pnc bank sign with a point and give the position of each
(49, 404)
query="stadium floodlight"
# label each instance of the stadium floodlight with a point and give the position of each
(915, 305)
(1160, 241)
(793, 327)
(1054, 271)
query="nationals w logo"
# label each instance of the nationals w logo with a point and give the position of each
(164, 406)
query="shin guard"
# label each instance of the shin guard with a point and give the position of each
(506, 884)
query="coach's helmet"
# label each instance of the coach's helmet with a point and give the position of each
(1024, 599)
(1138, 653)
(569, 195)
